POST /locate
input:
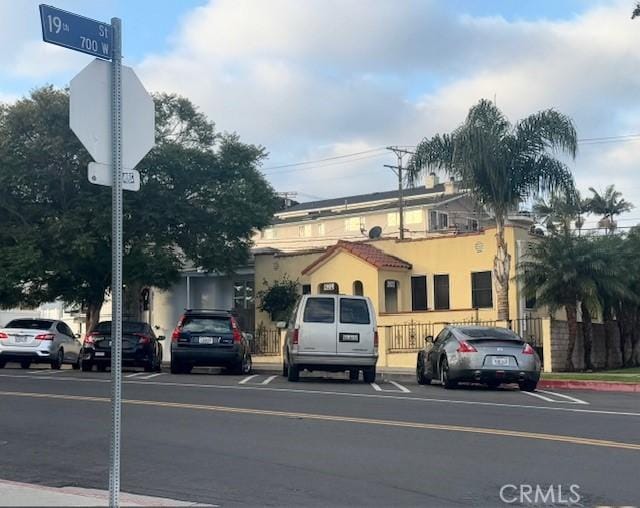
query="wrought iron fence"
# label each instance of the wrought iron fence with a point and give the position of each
(266, 342)
(530, 329)
(408, 337)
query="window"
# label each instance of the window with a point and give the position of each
(441, 292)
(319, 310)
(472, 224)
(358, 288)
(481, 290)
(321, 229)
(243, 294)
(305, 231)
(413, 217)
(391, 295)
(354, 223)
(208, 324)
(443, 220)
(438, 220)
(354, 311)
(330, 288)
(530, 302)
(306, 289)
(31, 324)
(419, 293)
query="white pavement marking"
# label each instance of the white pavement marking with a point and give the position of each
(402, 388)
(572, 399)
(376, 387)
(340, 394)
(268, 380)
(531, 394)
(247, 379)
(152, 375)
(135, 374)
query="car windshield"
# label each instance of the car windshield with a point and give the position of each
(32, 324)
(489, 333)
(206, 324)
(127, 327)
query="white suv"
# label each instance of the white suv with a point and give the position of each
(332, 333)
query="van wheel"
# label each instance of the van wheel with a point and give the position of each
(293, 373)
(354, 374)
(369, 375)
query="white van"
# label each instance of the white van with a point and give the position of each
(332, 333)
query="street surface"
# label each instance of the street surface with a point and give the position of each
(325, 441)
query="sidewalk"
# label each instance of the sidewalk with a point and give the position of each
(24, 494)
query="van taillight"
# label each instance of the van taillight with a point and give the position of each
(375, 338)
(295, 336)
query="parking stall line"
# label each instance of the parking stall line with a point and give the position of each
(403, 389)
(247, 379)
(537, 395)
(376, 387)
(563, 396)
(152, 375)
(135, 374)
(268, 380)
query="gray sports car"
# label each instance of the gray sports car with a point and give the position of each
(478, 354)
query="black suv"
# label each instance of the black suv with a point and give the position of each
(209, 338)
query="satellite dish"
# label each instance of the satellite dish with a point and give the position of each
(375, 232)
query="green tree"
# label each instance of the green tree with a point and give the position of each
(560, 211)
(501, 165)
(201, 198)
(609, 205)
(278, 298)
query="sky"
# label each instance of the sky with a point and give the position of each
(318, 79)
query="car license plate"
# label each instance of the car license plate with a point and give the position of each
(500, 360)
(349, 337)
(20, 339)
(99, 353)
(206, 340)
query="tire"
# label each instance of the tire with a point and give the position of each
(369, 375)
(102, 367)
(158, 367)
(178, 368)
(77, 364)
(244, 367)
(293, 373)
(2, 364)
(421, 376)
(285, 369)
(493, 384)
(354, 374)
(56, 363)
(150, 367)
(528, 386)
(25, 364)
(86, 366)
(444, 375)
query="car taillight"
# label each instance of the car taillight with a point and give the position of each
(465, 347)
(295, 336)
(527, 350)
(375, 338)
(89, 339)
(142, 338)
(3, 335)
(176, 332)
(235, 330)
(45, 336)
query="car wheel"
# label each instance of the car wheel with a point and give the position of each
(354, 374)
(77, 364)
(2, 364)
(528, 386)
(25, 364)
(369, 375)
(493, 384)
(285, 369)
(247, 364)
(293, 373)
(87, 366)
(177, 368)
(102, 367)
(158, 367)
(445, 380)
(150, 366)
(56, 363)
(422, 377)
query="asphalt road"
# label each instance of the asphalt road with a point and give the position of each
(325, 441)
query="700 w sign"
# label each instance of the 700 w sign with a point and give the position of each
(76, 32)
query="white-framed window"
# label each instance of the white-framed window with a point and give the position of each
(305, 231)
(353, 223)
(438, 220)
(321, 229)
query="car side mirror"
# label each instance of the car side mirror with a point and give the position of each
(77, 336)
(281, 324)
(161, 337)
(428, 339)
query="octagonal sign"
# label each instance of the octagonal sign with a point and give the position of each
(90, 114)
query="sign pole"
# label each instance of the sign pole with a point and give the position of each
(116, 276)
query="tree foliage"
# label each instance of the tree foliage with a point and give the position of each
(201, 198)
(278, 298)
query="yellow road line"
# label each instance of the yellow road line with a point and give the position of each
(343, 419)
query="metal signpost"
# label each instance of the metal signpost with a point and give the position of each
(104, 95)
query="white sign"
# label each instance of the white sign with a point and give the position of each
(102, 174)
(90, 114)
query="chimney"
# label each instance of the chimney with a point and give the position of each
(430, 181)
(450, 187)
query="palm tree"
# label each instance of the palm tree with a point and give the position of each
(636, 11)
(562, 270)
(608, 205)
(501, 165)
(561, 210)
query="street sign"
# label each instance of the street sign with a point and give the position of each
(76, 32)
(90, 114)
(102, 174)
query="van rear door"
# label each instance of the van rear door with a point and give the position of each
(355, 327)
(317, 333)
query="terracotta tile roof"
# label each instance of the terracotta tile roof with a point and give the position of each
(364, 251)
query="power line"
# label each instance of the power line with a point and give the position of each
(335, 163)
(325, 159)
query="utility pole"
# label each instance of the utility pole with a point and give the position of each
(285, 196)
(400, 153)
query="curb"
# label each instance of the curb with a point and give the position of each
(597, 386)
